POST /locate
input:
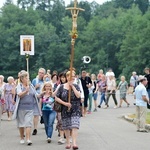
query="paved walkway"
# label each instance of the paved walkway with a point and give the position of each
(102, 130)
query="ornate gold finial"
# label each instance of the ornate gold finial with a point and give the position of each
(74, 13)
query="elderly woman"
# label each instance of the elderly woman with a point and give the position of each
(134, 80)
(70, 110)
(123, 86)
(9, 94)
(25, 105)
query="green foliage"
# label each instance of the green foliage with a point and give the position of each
(123, 3)
(143, 5)
(134, 49)
(115, 34)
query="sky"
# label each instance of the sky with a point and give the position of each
(66, 1)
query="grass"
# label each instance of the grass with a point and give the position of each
(147, 117)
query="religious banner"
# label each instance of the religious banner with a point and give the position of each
(26, 44)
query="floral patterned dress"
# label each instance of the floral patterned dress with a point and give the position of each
(71, 118)
(9, 97)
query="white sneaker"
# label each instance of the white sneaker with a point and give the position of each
(115, 107)
(61, 141)
(29, 142)
(105, 107)
(22, 141)
(48, 140)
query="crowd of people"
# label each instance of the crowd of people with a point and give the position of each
(26, 100)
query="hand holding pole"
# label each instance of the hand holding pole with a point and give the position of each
(74, 34)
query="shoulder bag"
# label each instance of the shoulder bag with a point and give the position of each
(57, 105)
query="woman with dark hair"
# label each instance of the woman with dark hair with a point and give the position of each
(54, 81)
(62, 77)
(147, 75)
(70, 110)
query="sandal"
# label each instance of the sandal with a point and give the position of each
(68, 147)
(75, 147)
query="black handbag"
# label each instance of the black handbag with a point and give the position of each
(148, 105)
(41, 120)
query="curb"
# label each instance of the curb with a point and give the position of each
(133, 120)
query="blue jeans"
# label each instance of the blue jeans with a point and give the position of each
(49, 118)
(95, 96)
(148, 91)
(102, 98)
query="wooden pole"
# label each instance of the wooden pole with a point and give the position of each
(74, 35)
(71, 67)
(27, 60)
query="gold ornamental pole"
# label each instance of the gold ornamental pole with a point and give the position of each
(74, 34)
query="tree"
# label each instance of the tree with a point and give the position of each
(13, 26)
(87, 13)
(105, 10)
(123, 3)
(134, 50)
(143, 5)
(8, 2)
(57, 13)
(25, 4)
(115, 34)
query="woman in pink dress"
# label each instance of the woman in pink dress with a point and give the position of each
(9, 94)
(2, 101)
(100, 75)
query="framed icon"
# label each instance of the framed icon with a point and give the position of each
(26, 44)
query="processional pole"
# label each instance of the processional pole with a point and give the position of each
(27, 61)
(74, 34)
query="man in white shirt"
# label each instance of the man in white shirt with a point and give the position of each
(38, 83)
(142, 99)
(110, 73)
